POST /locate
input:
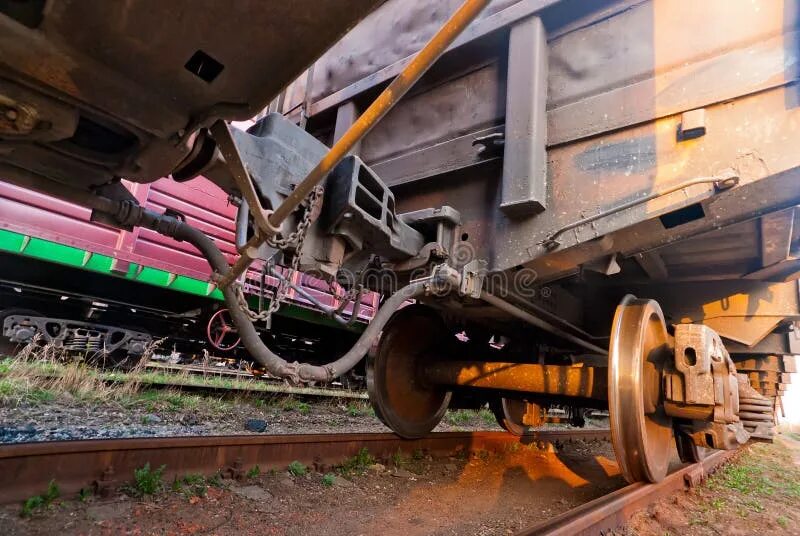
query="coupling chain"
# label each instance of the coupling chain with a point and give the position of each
(297, 237)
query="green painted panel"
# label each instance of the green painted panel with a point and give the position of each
(50, 251)
(154, 276)
(132, 269)
(72, 256)
(99, 263)
(11, 241)
(190, 285)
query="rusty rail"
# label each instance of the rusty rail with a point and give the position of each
(609, 512)
(106, 464)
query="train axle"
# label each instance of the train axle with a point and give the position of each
(661, 386)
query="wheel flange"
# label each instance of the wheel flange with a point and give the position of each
(641, 432)
(402, 400)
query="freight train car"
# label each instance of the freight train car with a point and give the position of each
(108, 293)
(590, 203)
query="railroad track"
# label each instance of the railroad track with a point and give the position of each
(107, 463)
(611, 511)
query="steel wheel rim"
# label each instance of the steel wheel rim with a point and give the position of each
(642, 443)
(509, 414)
(401, 401)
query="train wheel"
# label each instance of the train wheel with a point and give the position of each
(404, 403)
(641, 432)
(221, 331)
(510, 414)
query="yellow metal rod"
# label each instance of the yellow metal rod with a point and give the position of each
(390, 96)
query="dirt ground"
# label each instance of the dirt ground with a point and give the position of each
(481, 494)
(485, 494)
(758, 494)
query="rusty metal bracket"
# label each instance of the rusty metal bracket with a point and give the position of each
(224, 139)
(222, 135)
(472, 277)
(722, 181)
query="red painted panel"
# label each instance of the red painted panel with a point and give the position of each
(203, 203)
(35, 199)
(41, 223)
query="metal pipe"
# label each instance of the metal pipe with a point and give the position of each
(538, 322)
(275, 364)
(568, 380)
(329, 311)
(181, 231)
(723, 181)
(378, 109)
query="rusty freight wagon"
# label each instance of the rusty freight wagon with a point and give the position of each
(590, 203)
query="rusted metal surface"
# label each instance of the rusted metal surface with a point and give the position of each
(403, 400)
(220, 61)
(83, 464)
(423, 60)
(588, 97)
(611, 511)
(575, 381)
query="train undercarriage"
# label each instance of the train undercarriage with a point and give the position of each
(590, 204)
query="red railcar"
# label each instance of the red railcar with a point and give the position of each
(64, 272)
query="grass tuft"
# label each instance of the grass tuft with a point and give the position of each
(358, 463)
(37, 502)
(296, 468)
(191, 485)
(146, 481)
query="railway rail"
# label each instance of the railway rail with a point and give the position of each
(610, 511)
(105, 464)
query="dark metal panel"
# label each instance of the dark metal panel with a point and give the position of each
(443, 157)
(764, 65)
(389, 37)
(138, 73)
(776, 236)
(524, 190)
(465, 104)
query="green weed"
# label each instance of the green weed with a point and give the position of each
(358, 463)
(399, 459)
(191, 485)
(487, 416)
(37, 502)
(297, 468)
(84, 494)
(146, 481)
(459, 417)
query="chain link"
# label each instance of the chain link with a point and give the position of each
(296, 238)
